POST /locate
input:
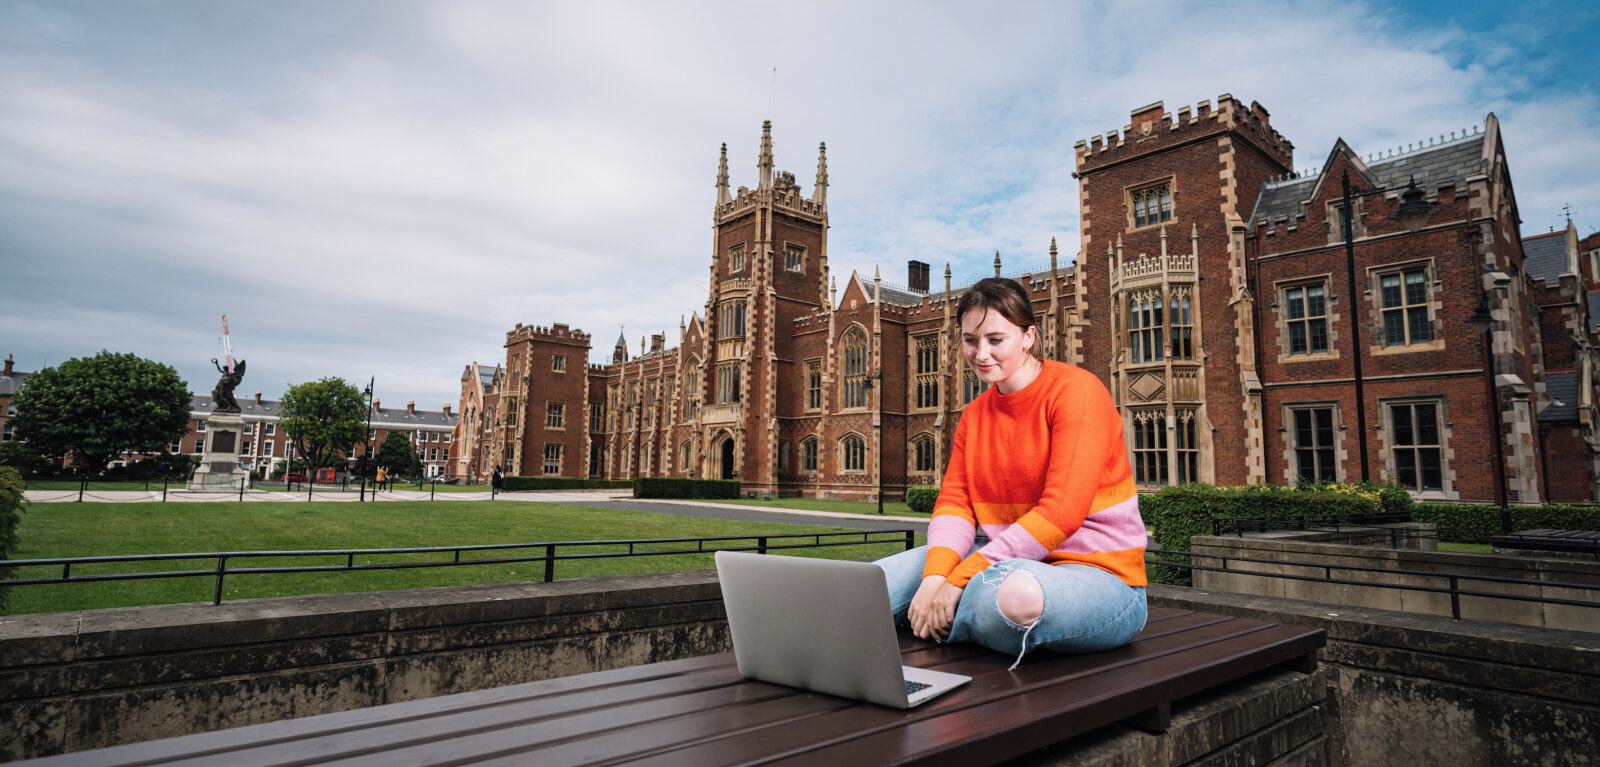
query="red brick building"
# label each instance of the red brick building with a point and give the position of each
(11, 381)
(1210, 293)
(474, 457)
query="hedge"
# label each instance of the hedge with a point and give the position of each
(11, 487)
(681, 487)
(922, 499)
(1472, 523)
(1179, 513)
(563, 483)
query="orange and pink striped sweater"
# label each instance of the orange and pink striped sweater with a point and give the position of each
(1044, 473)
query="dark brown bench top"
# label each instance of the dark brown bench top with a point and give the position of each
(699, 711)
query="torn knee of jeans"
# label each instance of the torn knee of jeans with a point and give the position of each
(1021, 599)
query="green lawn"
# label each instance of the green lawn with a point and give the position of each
(895, 508)
(78, 530)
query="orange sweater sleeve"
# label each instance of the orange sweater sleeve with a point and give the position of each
(953, 526)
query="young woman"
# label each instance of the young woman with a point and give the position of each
(1036, 539)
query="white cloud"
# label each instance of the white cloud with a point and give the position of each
(390, 187)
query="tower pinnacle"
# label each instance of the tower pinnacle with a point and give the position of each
(722, 178)
(764, 162)
(819, 195)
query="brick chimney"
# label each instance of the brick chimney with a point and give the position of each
(447, 410)
(377, 405)
(411, 407)
(258, 396)
(8, 366)
(917, 276)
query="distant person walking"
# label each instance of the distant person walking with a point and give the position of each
(499, 480)
(383, 476)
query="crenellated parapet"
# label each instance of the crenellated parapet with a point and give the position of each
(1150, 128)
(556, 332)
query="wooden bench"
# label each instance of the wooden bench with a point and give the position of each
(699, 711)
(1587, 541)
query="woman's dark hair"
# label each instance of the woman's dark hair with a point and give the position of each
(1002, 294)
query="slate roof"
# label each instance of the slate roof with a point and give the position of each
(11, 384)
(1563, 388)
(1451, 162)
(898, 296)
(387, 418)
(1545, 255)
(1594, 311)
(486, 375)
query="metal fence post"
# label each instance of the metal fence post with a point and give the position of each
(163, 489)
(762, 544)
(82, 484)
(1455, 600)
(549, 564)
(241, 489)
(222, 567)
(431, 488)
(911, 540)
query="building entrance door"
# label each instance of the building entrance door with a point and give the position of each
(727, 458)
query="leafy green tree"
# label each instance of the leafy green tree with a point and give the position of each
(22, 457)
(324, 419)
(397, 454)
(96, 408)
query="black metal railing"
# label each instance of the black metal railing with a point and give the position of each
(1242, 525)
(549, 556)
(1380, 524)
(1453, 580)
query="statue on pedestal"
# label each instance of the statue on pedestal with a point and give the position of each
(222, 395)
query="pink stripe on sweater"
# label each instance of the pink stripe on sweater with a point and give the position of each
(1114, 528)
(951, 532)
(1013, 543)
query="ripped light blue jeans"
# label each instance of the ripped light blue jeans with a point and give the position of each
(1086, 609)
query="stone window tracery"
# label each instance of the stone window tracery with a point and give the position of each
(1152, 204)
(1150, 448)
(854, 356)
(853, 453)
(927, 370)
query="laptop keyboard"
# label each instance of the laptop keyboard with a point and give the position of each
(912, 687)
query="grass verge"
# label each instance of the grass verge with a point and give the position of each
(78, 530)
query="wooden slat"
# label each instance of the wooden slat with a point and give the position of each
(991, 683)
(699, 711)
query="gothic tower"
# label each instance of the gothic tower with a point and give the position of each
(769, 265)
(1164, 205)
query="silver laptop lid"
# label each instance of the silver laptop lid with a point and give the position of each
(818, 624)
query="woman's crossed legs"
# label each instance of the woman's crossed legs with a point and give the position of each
(1020, 605)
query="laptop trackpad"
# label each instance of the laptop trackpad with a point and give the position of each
(938, 683)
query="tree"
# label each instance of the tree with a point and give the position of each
(324, 419)
(27, 461)
(397, 454)
(97, 408)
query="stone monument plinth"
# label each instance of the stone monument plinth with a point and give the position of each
(219, 464)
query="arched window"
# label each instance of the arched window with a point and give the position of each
(808, 454)
(922, 451)
(685, 459)
(853, 351)
(853, 453)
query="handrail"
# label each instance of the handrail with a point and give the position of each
(1454, 589)
(764, 544)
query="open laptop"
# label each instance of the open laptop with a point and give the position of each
(821, 625)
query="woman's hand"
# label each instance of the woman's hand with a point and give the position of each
(933, 609)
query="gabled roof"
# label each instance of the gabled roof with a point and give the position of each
(201, 406)
(1450, 162)
(895, 295)
(1561, 388)
(1545, 256)
(486, 375)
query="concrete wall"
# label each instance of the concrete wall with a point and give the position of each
(1393, 688)
(75, 681)
(1371, 549)
(1424, 690)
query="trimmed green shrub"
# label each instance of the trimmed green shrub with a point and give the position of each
(922, 499)
(1473, 523)
(11, 487)
(683, 487)
(563, 483)
(1179, 513)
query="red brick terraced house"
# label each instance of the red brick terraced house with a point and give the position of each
(1210, 293)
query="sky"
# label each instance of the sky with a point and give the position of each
(383, 189)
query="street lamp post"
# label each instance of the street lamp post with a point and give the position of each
(866, 386)
(1413, 212)
(1483, 322)
(368, 438)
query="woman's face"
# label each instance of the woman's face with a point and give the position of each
(996, 349)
